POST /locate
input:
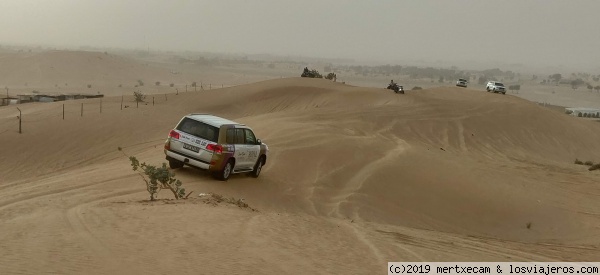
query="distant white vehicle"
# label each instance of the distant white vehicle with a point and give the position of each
(496, 87)
(461, 82)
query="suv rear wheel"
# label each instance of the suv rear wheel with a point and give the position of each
(226, 171)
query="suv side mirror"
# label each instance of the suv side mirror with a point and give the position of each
(258, 141)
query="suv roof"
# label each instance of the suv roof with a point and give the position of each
(212, 120)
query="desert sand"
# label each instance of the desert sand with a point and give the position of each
(356, 177)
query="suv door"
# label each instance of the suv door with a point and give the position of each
(241, 150)
(253, 148)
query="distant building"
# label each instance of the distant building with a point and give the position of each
(9, 101)
(36, 97)
(25, 98)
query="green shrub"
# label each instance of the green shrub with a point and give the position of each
(157, 178)
(594, 167)
(588, 163)
(578, 162)
(417, 88)
(139, 96)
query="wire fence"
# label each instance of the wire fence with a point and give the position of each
(40, 112)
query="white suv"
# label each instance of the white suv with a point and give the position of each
(216, 144)
(496, 87)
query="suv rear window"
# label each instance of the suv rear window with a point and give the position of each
(199, 129)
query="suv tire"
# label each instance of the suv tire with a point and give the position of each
(225, 173)
(257, 168)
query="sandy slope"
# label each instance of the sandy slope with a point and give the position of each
(357, 177)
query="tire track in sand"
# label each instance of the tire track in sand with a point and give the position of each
(101, 251)
(356, 183)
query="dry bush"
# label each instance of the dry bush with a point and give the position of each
(215, 199)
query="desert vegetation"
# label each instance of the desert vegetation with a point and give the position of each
(139, 96)
(157, 178)
(216, 199)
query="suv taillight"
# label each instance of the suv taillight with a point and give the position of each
(174, 134)
(215, 148)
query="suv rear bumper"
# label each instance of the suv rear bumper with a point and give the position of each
(187, 160)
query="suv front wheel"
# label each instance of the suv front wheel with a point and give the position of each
(258, 167)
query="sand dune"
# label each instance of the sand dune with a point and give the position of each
(357, 177)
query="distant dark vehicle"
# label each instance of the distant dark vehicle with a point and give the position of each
(397, 88)
(311, 73)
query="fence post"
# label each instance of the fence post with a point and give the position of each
(81, 109)
(152, 101)
(121, 102)
(20, 117)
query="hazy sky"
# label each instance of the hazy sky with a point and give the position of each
(539, 32)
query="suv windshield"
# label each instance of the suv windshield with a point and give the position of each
(199, 129)
(499, 84)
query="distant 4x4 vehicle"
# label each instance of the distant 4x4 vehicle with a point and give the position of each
(496, 87)
(216, 144)
(461, 82)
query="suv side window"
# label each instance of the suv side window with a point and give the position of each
(250, 138)
(230, 138)
(239, 136)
